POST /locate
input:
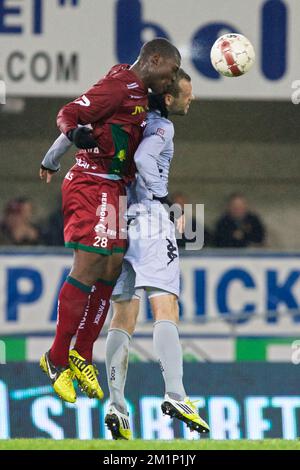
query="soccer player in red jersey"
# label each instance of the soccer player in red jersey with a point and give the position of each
(116, 108)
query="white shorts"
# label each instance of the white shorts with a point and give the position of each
(151, 261)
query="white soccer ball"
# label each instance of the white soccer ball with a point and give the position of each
(232, 55)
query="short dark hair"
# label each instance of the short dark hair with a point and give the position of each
(14, 205)
(159, 46)
(157, 102)
(174, 88)
(235, 195)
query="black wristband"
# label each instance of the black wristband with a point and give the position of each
(163, 200)
(69, 134)
(48, 169)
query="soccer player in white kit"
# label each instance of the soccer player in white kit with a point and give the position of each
(151, 263)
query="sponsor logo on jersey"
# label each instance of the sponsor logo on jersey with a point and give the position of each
(82, 163)
(101, 212)
(138, 110)
(100, 228)
(171, 251)
(100, 311)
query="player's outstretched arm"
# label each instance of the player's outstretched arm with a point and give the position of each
(51, 161)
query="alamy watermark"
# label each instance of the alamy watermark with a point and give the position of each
(150, 220)
(295, 352)
(2, 92)
(295, 96)
(2, 352)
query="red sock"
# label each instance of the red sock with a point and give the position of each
(72, 301)
(94, 318)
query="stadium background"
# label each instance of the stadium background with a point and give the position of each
(237, 307)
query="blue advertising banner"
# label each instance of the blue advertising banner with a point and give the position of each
(248, 400)
(256, 293)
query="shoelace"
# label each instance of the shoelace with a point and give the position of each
(191, 404)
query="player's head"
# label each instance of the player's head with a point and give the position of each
(157, 102)
(158, 64)
(177, 98)
(179, 94)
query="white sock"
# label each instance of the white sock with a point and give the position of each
(167, 348)
(117, 353)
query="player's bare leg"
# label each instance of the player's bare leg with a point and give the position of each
(73, 300)
(168, 349)
(88, 267)
(94, 317)
(117, 351)
(125, 315)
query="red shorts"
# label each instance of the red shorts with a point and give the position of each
(93, 210)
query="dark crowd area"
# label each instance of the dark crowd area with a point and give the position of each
(239, 226)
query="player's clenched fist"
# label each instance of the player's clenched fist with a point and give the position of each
(47, 174)
(82, 137)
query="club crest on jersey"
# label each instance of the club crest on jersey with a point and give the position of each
(160, 132)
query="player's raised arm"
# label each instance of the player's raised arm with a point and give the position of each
(51, 161)
(99, 103)
(156, 139)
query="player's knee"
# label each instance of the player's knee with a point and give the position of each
(115, 272)
(165, 309)
(124, 317)
(166, 315)
(113, 267)
(88, 267)
(127, 326)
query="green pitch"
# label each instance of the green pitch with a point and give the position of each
(176, 444)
